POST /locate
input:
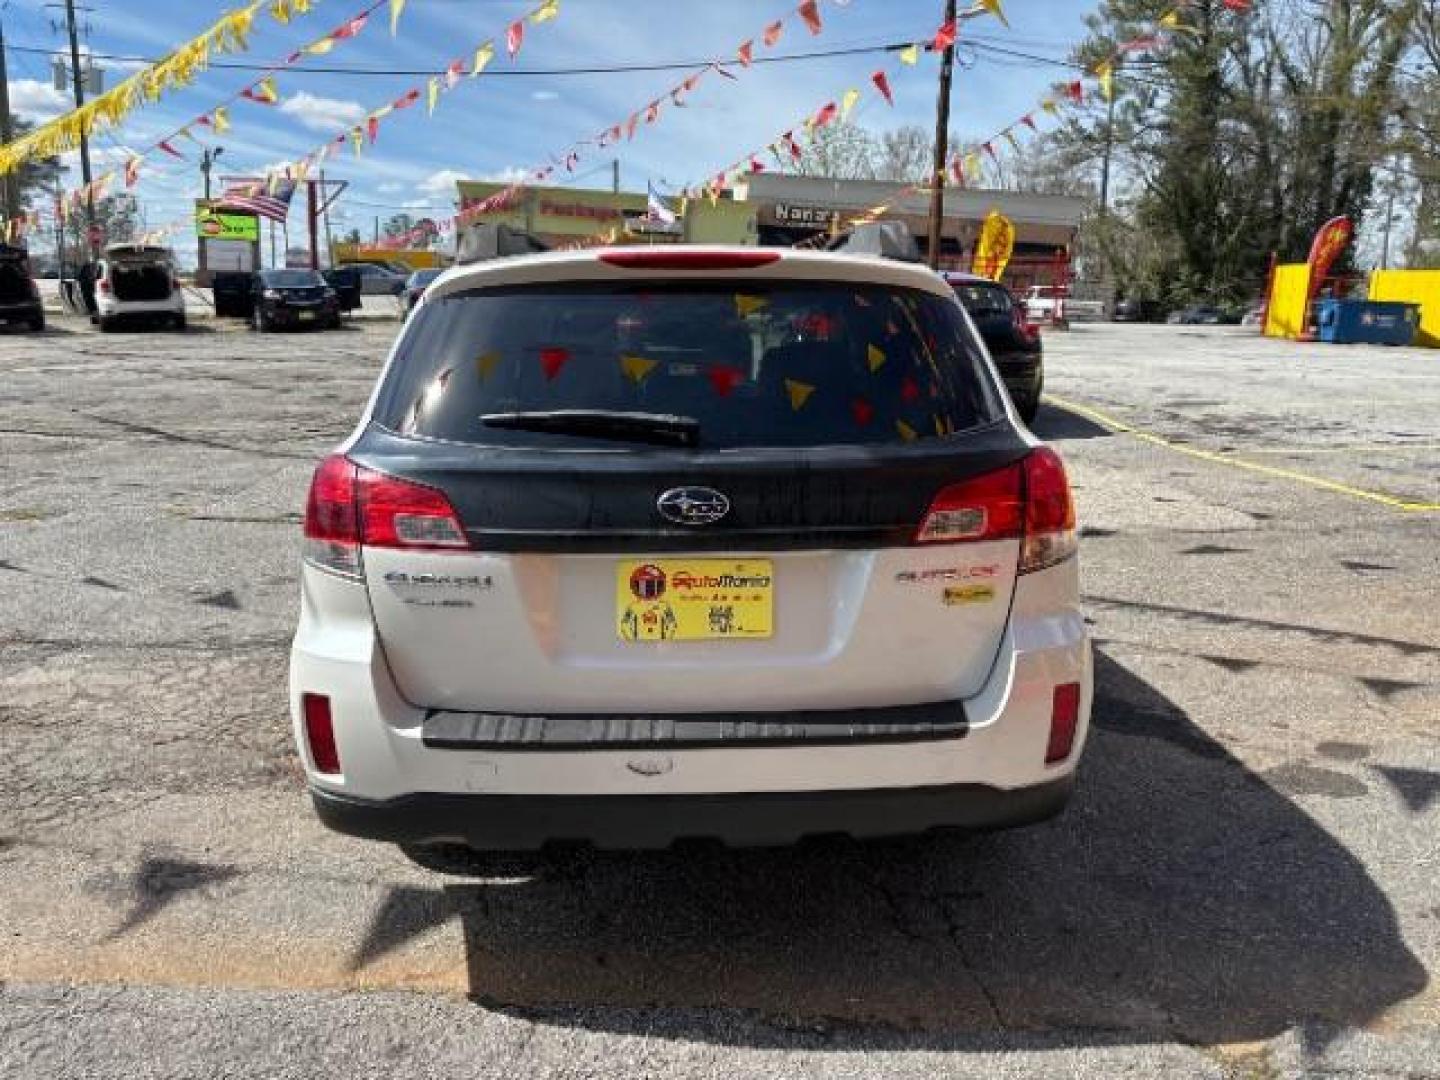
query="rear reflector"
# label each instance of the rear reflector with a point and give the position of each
(350, 506)
(660, 259)
(320, 733)
(1064, 719)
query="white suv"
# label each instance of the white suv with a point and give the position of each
(635, 545)
(137, 282)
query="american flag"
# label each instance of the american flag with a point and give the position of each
(256, 196)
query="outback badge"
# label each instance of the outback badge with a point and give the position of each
(693, 505)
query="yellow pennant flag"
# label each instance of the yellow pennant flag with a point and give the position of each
(546, 11)
(319, 48)
(907, 432)
(396, 7)
(1105, 72)
(798, 392)
(1048, 104)
(483, 56)
(266, 92)
(357, 139)
(486, 363)
(636, 368)
(280, 11)
(993, 8)
(746, 305)
(434, 95)
(848, 102)
(910, 54)
(1170, 20)
(875, 357)
(221, 119)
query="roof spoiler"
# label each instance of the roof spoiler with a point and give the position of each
(881, 239)
(491, 241)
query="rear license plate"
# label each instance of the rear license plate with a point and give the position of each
(306, 316)
(695, 599)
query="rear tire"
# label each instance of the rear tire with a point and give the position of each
(107, 324)
(263, 324)
(37, 324)
(178, 323)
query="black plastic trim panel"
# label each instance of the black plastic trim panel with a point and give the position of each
(591, 731)
(743, 819)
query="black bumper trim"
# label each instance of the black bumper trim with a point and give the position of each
(570, 731)
(745, 819)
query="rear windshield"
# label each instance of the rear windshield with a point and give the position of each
(985, 300)
(291, 279)
(780, 364)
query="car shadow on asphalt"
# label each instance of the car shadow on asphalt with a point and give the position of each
(1179, 898)
(1052, 423)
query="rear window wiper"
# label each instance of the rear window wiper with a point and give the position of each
(662, 429)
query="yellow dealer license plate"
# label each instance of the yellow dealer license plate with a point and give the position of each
(695, 599)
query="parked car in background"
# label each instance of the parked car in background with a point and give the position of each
(289, 299)
(1254, 315)
(137, 283)
(1012, 340)
(642, 544)
(19, 295)
(377, 280)
(415, 288)
(1131, 310)
(1202, 315)
(1051, 303)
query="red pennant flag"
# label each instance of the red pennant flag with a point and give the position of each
(810, 12)
(909, 389)
(406, 101)
(515, 37)
(631, 124)
(882, 83)
(1029, 121)
(614, 133)
(756, 165)
(652, 112)
(772, 33)
(132, 171)
(827, 112)
(171, 150)
(944, 37)
(372, 127)
(692, 82)
(453, 73)
(571, 160)
(746, 53)
(1076, 91)
(791, 145)
(552, 360)
(725, 378)
(203, 121)
(957, 172)
(989, 150)
(863, 411)
(1241, 6)
(351, 28)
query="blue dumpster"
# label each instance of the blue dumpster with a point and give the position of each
(1367, 322)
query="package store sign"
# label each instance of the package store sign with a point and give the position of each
(216, 225)
(812, 217)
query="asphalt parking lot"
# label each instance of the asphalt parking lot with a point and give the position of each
(1244, 886)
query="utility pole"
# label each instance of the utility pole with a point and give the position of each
(12, 184)
(614, 169)
(1389, 214)
(942, 148)
(207, 162)
(1109, 148)
(79, 84)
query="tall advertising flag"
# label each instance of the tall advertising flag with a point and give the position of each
(1329, 241)
(994, 246)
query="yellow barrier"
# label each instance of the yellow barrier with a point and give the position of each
(1413, 287)
(1289, 301)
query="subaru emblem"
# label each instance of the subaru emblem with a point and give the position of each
(693, 505)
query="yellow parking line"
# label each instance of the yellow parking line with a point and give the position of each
(1111, 422)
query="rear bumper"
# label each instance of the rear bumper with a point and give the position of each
(21, 312)
(527, 822)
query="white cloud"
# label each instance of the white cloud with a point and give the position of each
(390, 187)
(441, 183)
(543, 95)
(31, 99)
(322, 113)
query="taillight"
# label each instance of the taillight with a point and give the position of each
(988, 507)
(103, 285)
(1049, 512)
(1027, 330)
(1064, 720)
(320, 733)
(661, 259)
(350, 506)
(1029, 500)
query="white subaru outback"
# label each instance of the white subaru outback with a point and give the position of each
(635, 545)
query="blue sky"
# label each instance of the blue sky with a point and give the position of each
(498, 124)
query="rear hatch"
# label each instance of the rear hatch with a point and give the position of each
(141, 280)
(689, 495)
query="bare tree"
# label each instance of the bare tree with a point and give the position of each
(904, 155)
(838, 151)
